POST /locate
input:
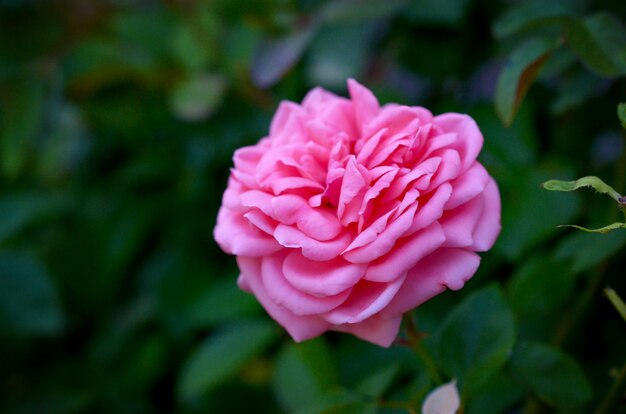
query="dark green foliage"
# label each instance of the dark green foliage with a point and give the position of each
(118, 120)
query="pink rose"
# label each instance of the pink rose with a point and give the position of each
(349, 214)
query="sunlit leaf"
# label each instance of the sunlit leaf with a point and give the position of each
(518, 72)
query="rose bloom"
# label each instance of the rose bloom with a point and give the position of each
(349, 214)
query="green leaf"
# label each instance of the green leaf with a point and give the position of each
(347, 11)
(222, 301)
(599, 41)
(476, 339)
(437, 12)
(550, 374)
(621, 114)
(576, 90)
(616, 301)
(19, 211)
(304, 373)
(222, 355)
(496, 396)
(522, 198)
(530, 15)
(377, 383)
(274, 57)
(540, 286)
(196, 98)
(587, 250)
(339, 52)
(518, 73)
(335, 402)
(21, 118)
(29, 304)
(590, 181)
(191, 47)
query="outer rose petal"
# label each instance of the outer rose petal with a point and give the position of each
(488, 227)
(459, 224)
(468, 186)
(378, 330)
(364, 102)
(235, 235)
(445, 268)
(470, 140)
(284, 294)
(300, 328)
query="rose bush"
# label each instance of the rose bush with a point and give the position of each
(350, 214)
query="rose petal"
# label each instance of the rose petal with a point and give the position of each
(291, 237)
(444, 399)
(258, 199)
(430, 209)
(385, 240)
(406, 254)
(321, 278)
(318, 223)
(352, 185)
(284, 294)
(470, 139)
(236, 236)
(366, 299)
(488, 226)
(364, 102)
(300, 328)
(459, 224)
(468, 185)
(377, 330)
(261, 221)
(444, 268)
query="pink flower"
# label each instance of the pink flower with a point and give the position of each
(350, 214)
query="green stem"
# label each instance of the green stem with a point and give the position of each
(615, 393)
(415, 340)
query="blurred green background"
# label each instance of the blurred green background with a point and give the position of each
(118, 120)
